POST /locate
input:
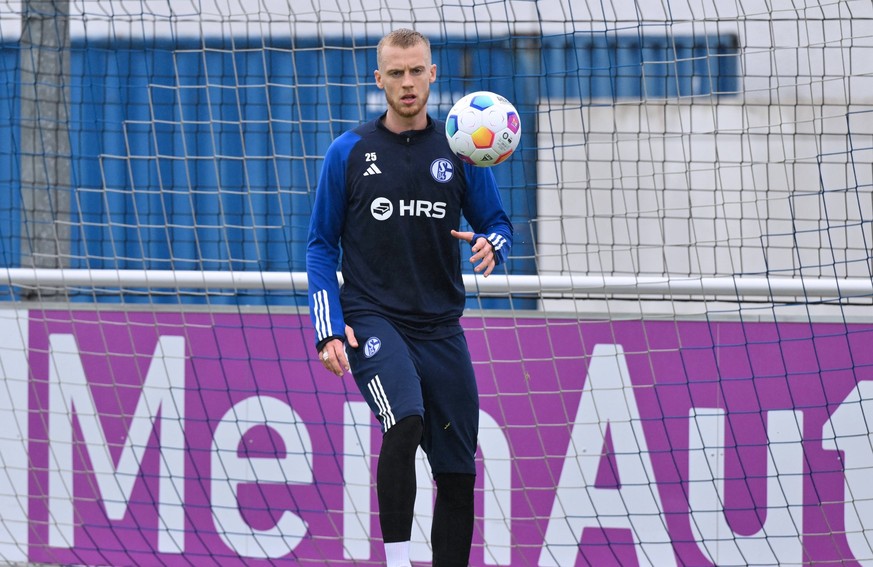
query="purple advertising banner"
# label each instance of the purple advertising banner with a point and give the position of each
(161, 438)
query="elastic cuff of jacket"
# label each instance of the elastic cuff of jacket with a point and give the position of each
(320, 344)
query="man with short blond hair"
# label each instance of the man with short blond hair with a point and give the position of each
(391, 195)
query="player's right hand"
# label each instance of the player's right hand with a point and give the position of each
(333, 354)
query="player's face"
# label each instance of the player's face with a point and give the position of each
(405, 75)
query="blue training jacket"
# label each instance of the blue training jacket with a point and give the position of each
(388, 202)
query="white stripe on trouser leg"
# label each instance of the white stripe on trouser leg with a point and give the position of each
(378, 393)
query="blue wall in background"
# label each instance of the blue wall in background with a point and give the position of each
(10, 196)
(196, 159)
(193, 155)
(644, 66)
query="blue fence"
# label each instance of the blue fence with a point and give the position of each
(606, 67)
(10, 195)
(190, 155)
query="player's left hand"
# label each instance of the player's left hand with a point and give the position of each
(483, 252)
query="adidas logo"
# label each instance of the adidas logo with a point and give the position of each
(372, 170)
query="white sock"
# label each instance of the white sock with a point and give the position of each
(397, 554)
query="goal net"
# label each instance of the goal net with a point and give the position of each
(674, 365)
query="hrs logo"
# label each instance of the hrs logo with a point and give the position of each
(382, 208)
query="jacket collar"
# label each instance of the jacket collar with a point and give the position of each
(380, 124)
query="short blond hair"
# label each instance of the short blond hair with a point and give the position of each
(403, 38)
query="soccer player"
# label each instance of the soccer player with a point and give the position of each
(391, 195)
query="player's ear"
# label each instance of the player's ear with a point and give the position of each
(433, 73)
(378, 76)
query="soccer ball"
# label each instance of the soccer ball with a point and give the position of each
(483, 128)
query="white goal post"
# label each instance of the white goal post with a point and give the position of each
(571, 285)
